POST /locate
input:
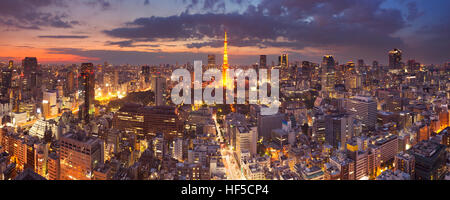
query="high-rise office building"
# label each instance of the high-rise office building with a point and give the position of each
(318, 128)
(53, 166)
(158, 145)
(375, 64)
(361, 63)
(263, 61)
(30, 66)
(6, 83)
(145, 71)
(413, 66)
(211, 61)
(246, 139)
(364, 109)
(159, 85)
(115, 82)
(361, 160)
(338, 129)
(178, 149)
(328, 77)
(41, 157)
(49, 107)
(79, 155)
(405, 162)
(361, 66)
(283, 61)
(148, 121)
(70, 84)
(31, 80)
(87, 83)
(385, 148)
(430, 160)
(267, 123)
(395, 57)
(346, 167)
(328, 63)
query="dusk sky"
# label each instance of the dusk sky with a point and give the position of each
(156, 32)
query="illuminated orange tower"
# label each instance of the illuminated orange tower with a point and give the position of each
(224, 71)
(225, 60)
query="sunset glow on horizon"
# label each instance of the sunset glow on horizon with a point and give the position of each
(140, 32)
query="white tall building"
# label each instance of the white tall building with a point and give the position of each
(38, 128)
(246, 139)
(364, 109)
(178, 149)
(5, 108)
(49, 103)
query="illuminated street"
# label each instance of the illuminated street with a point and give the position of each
(231, 166)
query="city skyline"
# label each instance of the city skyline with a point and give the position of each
(224, 90)
(157, 32)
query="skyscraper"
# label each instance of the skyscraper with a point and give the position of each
(395, 57)
(79, 155)
(328, 73)
(246, 138)
(53, 166)
(211, 61)
(159, 90)
(6, 83)
(283, 61)
(328, 63)
(364, 109)
(145, 70)
(413, 66)
(148, 121)
(361, 65)
(49, 107)
(87, 81)
(375, 65)
(116, 79)
(263, 61)
(70, 82)
(430, 159)
(338, 129)
(30, 72)
(178, 149)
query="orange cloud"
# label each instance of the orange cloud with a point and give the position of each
(43, 56)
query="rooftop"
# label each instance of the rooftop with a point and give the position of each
(390, 175)
(29, 174)
(426, 148)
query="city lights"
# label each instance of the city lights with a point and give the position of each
(224, 90)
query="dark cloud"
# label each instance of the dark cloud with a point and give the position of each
(104, 4)
(129, 43)
(285, 23)
(27, 14)
(210, 5)
(126, 43)
(146, 2)
(352, 29)
(64, 36)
